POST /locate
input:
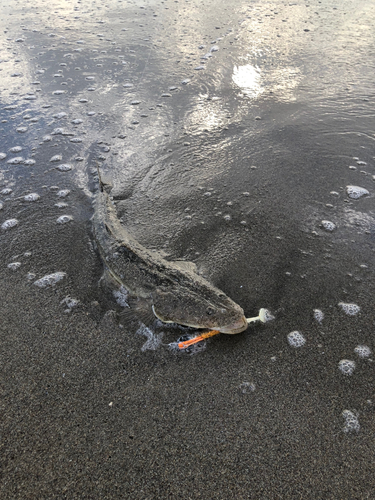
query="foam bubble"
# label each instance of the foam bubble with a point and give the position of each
(65, 167)
(70, 303)
(56, 158)
(346, 366)
(57, 131)
(29, 162)
(16, 161)
(16, 149)
(22, 130)
(318, 315)
(47, 138)
(153, 341)
(1, 206)
(31, 197)
(14, 266)
(50, 279)
(61, 205)
(63, 219)
(349, 309)
(60, 115)
(121, 296)
(6, 191)
(247, 387)
(351, 421)
(77, 121)
(8, 224)
(76, 140)
(58, 92)
(62, 193)
(328, 225)
(363, 351)
(296, 339)
(2, 156)
(356, 192)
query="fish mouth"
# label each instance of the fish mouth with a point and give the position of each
(231, 329)
(236, 327)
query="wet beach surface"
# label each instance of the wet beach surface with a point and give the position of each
(239, 137)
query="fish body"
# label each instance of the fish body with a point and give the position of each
(175, 295)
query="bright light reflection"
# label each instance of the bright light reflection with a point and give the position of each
(248, 78)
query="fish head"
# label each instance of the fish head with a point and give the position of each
(215, 311)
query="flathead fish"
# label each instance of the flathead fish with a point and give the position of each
(174, 294)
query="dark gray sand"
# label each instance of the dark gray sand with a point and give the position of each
(234, 134)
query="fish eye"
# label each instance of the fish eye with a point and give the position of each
(210, 310)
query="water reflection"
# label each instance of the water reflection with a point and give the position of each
(254, 82)
(248, 78)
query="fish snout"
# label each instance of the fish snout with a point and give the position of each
(235, 327)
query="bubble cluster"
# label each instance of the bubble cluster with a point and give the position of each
(349, 309)
(64, 167)
(70, 303)
(56, 131)
(328, 225)
(153, 341)
(14, 266)
(351, 422)
(346, 366)
(318, 315)
(31, 197)
(16, 161)
(56, 158)
(63, 193)
(296, 339)
(363, 351)
(121, 297)
(8, 224)
(356, 192)
(247, 387)
(50, 279)
(63, 219)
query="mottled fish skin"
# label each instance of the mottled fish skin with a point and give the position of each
(175, 295)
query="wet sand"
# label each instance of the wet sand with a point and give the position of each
(235, 169)
(87, 414)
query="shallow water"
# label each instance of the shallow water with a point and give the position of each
(241, 137)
